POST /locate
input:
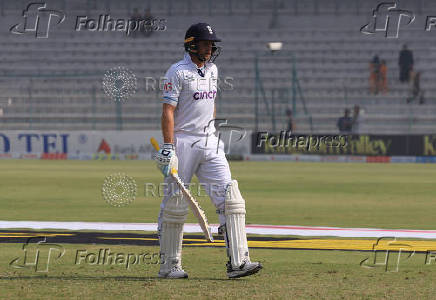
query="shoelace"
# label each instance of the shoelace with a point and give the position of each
(176, 268)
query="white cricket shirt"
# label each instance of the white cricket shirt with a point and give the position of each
(193, 96)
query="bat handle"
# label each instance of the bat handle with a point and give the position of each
(154, 143)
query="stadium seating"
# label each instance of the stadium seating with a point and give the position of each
(55, 83)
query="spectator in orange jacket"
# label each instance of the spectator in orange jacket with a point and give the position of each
(383, 76)
(374, 77)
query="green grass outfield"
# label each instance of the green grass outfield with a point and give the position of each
(287, 275)
(328, 194)
(281, 193)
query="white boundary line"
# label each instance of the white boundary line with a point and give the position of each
(253, 229)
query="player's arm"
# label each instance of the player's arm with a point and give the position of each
(167, 122)
(170, 99)
(166, 157)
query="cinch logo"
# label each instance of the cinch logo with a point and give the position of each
(204, 95)
(35, 15)
(386, 18)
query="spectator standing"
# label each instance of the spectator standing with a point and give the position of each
(374, 77)
(416, 92)
(149, 26)
(405, 61)
(136, 16)
(358, 121)
(290, 120)
(344, 123)
(383, 77)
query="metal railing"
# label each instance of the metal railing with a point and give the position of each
(289, 96)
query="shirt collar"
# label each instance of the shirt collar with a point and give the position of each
(188, 59)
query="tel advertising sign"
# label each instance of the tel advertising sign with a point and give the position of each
(76, 144)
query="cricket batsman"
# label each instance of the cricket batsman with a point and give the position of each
(191, 147)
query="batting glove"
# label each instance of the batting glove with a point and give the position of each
(166, 159)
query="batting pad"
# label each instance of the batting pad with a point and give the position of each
(236, 238)
(171, 233)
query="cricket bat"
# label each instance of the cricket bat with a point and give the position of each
(195, 207)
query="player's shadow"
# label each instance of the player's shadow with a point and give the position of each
(95, 278)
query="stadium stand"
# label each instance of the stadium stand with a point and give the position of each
(55, 83)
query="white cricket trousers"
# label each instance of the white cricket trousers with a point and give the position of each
(204, 157)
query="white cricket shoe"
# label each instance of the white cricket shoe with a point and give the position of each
(247, 268)
(175, 273)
